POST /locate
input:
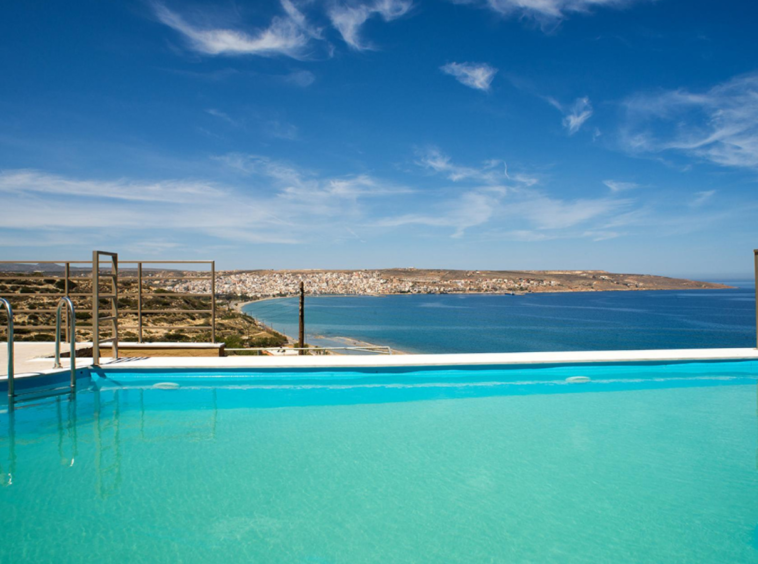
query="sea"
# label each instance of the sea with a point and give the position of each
(487, 323)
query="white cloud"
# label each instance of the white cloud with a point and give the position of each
(281, 130)
(541, 216)
(507, 198)
(702, 197)
(27, 182)
(348, 17)
(576, 114)
(474, 75)
(222, 116)
(302, 78)
(549, 213)
(287, 35)
(492, 171)
(468, 210)
(719, 125)
(292, 180)
(268, 202)
(545, 11)
(616, 186)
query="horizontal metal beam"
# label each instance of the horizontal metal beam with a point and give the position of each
(208, 311)
(172, 327)
(45, 327)
(43, 295)
(125, 311)
(165, 262)
(120, 262)
(177, 295)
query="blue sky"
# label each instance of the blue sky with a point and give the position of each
(513, 134)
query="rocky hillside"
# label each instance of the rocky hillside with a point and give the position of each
(34, 297)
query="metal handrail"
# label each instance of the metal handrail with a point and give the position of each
(7, 306)
(72, 337)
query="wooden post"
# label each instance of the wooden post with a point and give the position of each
(66, 290)
(114, 306)
(213, 301)
(95, 308)
(302, 318)
(139, 302)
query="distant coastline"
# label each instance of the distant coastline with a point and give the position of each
(351, 341)
(467, 323)
(710, 286)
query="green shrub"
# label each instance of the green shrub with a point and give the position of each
(234, 342)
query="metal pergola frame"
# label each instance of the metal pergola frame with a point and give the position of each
(135, 273)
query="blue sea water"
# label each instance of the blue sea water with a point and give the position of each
(476, 323)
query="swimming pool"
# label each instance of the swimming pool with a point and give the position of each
(646, 462)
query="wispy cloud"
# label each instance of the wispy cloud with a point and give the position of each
(468, 210)
(273, 126)
(267, 201)
(491, 171)
(541, 215)
(474, 75)
(574, 115)
(35, 182)
(281, 130)
(295, 183)
(702, 197)
(222, 116)
(301, 78)
(719, 125)
(550, 213)
(288, 34)
(494, 196)
(348, 17)
(616, 186)
(545, 12)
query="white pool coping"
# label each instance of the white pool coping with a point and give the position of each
(379, 361)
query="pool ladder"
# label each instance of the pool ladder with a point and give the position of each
(6, 304)
(13, 397)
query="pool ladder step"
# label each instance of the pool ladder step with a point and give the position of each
(42, 393)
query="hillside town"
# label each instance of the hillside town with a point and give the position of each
(264, 284)
(270, 283)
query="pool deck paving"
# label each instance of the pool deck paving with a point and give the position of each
(36, 358)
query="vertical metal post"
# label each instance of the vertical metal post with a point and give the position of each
(139, 302)
(301, 333)
(95, 308)
(213, 301)
(66, 290)
(755, 252)
(114, 306)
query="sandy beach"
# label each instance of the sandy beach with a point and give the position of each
(343, 341)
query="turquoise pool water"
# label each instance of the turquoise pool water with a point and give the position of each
(645, 463)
